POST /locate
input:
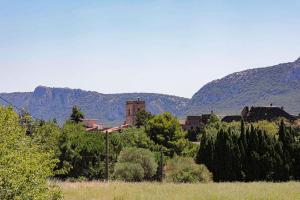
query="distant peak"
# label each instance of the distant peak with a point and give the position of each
(41, 86)
(298, 60)
(39, 90)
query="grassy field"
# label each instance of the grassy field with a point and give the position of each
(156, 191)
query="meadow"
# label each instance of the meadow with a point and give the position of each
(156, 191)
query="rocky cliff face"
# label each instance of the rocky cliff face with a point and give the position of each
(48, 103)
(279, 85)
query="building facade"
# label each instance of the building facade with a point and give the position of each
(92, 125)
(265, 113)
(255, 114)
(131, 109)
(195, 122)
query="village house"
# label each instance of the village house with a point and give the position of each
(92, 125)
(254, 114)
(195, 122)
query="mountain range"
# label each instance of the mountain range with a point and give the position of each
(279, 85)
(49, 103)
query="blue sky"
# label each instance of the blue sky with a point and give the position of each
(167, 46)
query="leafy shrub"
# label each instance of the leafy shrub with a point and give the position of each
(139, 163)
(185, 170)
(129, 171)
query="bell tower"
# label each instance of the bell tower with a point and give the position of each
(132, 107)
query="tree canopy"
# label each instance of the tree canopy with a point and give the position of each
(165, 130)
(76, 116)
(24, 165)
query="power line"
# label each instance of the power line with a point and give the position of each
(18, 108)
(11, 104)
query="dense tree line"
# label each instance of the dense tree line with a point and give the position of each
(227, 152)
(251, 155)
(82, 155)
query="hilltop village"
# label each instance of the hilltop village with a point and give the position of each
(252, 114)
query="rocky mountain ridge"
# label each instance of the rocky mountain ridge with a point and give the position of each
(278, 85)
(48, 103)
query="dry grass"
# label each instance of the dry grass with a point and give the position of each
(156, 191)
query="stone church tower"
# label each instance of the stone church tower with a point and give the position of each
(132, 107)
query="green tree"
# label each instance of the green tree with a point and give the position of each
(76, 115)
(82, 153)
(135, 164)
(136, 137)
(255, 154)
(47, 135)
(142, 118)
(26, 121)
(206, 152)
(165, 130)
(214, 119)
(24, 166)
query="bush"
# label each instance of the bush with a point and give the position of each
(135, 164)
(185, 170)
(129, 171)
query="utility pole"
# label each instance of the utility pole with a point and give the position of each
(106, 157)
(161, 163)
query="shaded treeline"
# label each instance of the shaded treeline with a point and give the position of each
(251, 155)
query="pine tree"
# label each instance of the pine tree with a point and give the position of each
(76, 116)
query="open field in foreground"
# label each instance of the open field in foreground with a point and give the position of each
(155, 191)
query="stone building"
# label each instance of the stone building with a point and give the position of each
(92, 125)
(195, 122)
(131, 109)
(254, 114)
(265, 113)
(192, 123)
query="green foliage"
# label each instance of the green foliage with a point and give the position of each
(129, 171)
(136, 137)
(214, 119)
(47, 136)
(268, 127)
(135, 164)
(76, 115)
(24, 166)
(165, 130)
(185, 170)
(26, 121)
(251, 155)
(82, 153)
(142, 117)
(194, 134)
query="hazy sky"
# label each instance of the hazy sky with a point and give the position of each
(166, 46)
